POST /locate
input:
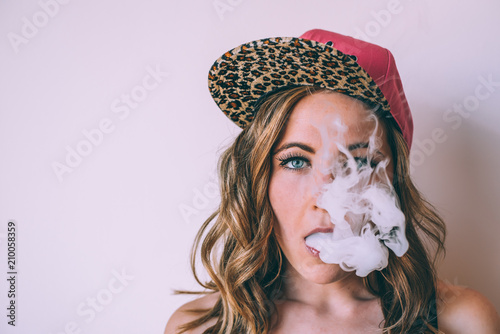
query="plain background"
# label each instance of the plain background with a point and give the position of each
(132, 205)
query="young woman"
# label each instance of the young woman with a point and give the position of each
(317, 111)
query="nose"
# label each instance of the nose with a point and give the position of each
(323, 169)
(323, 177)
(328, 177)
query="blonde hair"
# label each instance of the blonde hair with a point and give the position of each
(247, 273)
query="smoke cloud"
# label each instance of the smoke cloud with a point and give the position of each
(362, 205)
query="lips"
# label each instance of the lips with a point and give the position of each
(320, 230)
(313, 250)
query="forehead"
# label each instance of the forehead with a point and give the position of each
(332, 115)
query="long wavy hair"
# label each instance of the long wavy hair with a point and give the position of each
(243, 259)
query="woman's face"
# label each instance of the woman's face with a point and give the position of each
(300, 163)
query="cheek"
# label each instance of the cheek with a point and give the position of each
(390, 171)
(285, 191)
(283, 199)
(383, 175)
(288, 195)
(279, 190)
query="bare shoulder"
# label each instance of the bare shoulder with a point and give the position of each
(463, 310)
(183, 315)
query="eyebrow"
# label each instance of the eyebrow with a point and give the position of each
(302, 146)
(356, 146)
(309, 149)
(359, 145)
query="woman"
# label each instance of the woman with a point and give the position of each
(324, 120)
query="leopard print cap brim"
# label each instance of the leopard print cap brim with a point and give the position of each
(242, 75)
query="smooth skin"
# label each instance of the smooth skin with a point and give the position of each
(319, 297)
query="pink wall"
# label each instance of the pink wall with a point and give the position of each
(108, 133)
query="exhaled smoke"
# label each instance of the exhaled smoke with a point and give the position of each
(362, 205)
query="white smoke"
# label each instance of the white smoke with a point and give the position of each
(363, 208)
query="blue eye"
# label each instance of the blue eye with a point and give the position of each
(294, 162)
(362, 162)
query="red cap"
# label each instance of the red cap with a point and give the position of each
(379, 63)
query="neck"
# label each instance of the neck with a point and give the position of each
(344, 293)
